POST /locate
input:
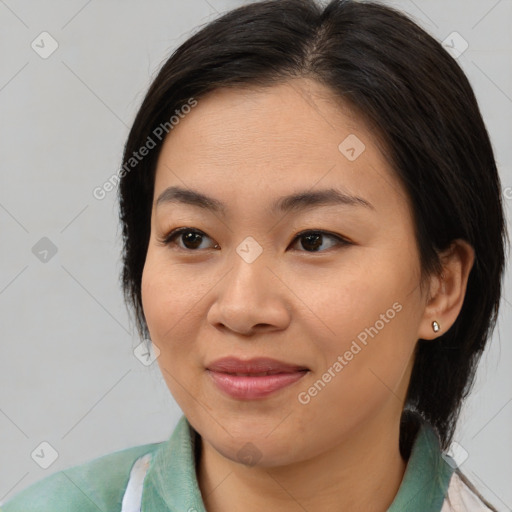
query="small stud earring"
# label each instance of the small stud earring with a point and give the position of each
(435, 326)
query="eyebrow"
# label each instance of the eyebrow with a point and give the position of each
(296, 202)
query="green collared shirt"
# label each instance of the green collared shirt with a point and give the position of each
(161, 477)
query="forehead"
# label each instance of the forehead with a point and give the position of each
(286, 137)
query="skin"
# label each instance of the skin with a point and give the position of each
(246, 148)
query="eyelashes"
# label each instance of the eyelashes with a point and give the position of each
(169, 239)
(192, 239)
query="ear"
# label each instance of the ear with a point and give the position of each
(446, 292)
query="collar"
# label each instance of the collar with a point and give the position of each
(427, 475)
(171, 483)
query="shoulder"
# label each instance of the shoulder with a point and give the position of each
(462, 496)
(98, 484)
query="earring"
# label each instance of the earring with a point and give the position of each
(435, 326)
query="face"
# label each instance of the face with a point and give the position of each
(326, 284)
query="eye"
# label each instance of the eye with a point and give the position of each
(311, 240)
(190, 237)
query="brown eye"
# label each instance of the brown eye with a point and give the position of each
(312, 241)
(191, 239)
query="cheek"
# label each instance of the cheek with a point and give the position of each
(155, 298)
(170, 297)
(349, 302)
(172, 322)
(370, 321)
(173, 301)
(361, 374)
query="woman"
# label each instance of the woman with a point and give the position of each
(314, 242)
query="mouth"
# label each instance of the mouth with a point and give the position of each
(258, 366)
(261, 374)
(255, 378)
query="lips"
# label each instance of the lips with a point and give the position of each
(254, 378)
(260, 365)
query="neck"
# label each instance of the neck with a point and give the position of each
(362, 473)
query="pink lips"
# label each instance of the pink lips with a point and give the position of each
(255, 378)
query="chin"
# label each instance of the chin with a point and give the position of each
(255, 447)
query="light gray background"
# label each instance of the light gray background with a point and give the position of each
(68, 373)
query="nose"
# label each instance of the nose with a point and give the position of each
(250, 298)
